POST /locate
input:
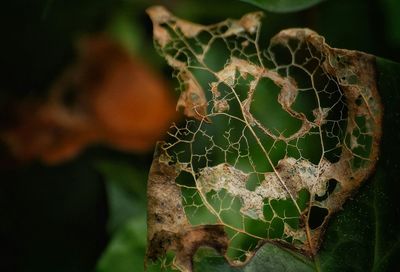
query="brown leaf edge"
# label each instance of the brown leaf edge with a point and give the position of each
(168, 227)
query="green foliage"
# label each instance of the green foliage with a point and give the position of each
(125, 253)
(126, 197)
(391, 9)
(270, 257)
(283, 5)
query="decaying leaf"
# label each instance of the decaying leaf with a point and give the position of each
(277, 138)
(107, 96)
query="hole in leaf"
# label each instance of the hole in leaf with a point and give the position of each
(267, 211)
(267, 110)
(281, 54)
(359, 100)
(217, 55)
(204, 37)
(185, 179)
(294, 44)
(331, 185)
(301, 76)
(317, 216)
(252, 182)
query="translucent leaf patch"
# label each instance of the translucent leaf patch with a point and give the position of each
(275, 139)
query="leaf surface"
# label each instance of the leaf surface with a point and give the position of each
(275, 141)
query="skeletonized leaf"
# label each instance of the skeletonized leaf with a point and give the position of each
(276, 139)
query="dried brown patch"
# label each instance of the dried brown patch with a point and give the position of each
(168, 227)
(108, 96)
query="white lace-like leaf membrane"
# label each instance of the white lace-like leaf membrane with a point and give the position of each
(275, 139)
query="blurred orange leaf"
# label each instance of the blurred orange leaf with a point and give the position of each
(108, 96)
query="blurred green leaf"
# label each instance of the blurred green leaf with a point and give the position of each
(269, 257)
(125, 175)
(124, 28)
(283, 5)
(125, 253)
(391, 17)
(127, 221)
